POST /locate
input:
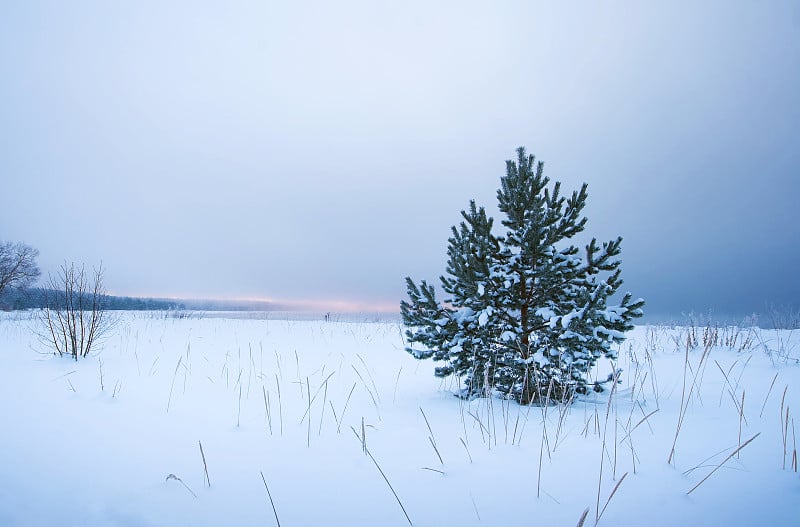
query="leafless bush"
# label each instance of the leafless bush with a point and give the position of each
(74, 318)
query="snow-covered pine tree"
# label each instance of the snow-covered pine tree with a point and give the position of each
(451, 332)
(526, 316)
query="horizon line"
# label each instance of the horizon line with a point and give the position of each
(325, 304)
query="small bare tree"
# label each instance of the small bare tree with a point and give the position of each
(17, 265)
(74, 317)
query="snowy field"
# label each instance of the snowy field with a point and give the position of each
(332, 423)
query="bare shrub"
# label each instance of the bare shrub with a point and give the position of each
(74, 318)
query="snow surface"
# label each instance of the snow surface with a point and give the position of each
(75, 453)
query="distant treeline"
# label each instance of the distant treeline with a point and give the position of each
(35, 298)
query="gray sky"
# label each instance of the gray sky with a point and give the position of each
(322, 150)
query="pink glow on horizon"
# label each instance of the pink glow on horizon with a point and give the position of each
(321, 305)
(328, 304)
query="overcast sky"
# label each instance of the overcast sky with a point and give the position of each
(322, 150)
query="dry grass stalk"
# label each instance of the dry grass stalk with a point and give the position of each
(723, 462)
(339, 424)
(680, 412)
(431, 438)
(642, 420)
(390, 488)
(541, 457)
(366, 386)
(173, 382)
(544, 440)
(741, 418)
(335, 419)
(582, 519)
(316, 393)
(239, 407)
(784, 424)
(308, 412)
(794, 448)
(435, 449)
(466, 448)
(785, 435)
(516, 426)
(205, 465)
(585, 431)
(396, 382)
(767, 397)
(475, 506)
(563, 409)
(367, 452)
(266, 407)
(361, 438)
(482, 428)
(366, 369)
(299, 379)
(731, 389)
(179, 480)
(322, 414)
(269, 494)
(614, 491)
(702, 463)
(602, 453)
(363, 435)
(280, 405)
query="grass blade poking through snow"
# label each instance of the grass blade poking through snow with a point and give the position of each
(582, 519)
(171, 386)
(280, 404)
(179, 480)
(645, 418)
(339, 424)
(269, 494)
(266, 407)
(681, 411)
(783, 429)
(387, 483)
(431, 438)
(374, 402)
(466, 448)
(366, 369)
(324, 400)
(794, 450)
(314, 398)
(396, 382)
(308, 412)
(205, 465)
(616, 487)
(723, 462)
(767, 397)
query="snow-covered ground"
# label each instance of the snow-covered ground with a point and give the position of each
(115, 439)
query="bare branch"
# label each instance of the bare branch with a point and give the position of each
(74, 316)
(17, 265)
